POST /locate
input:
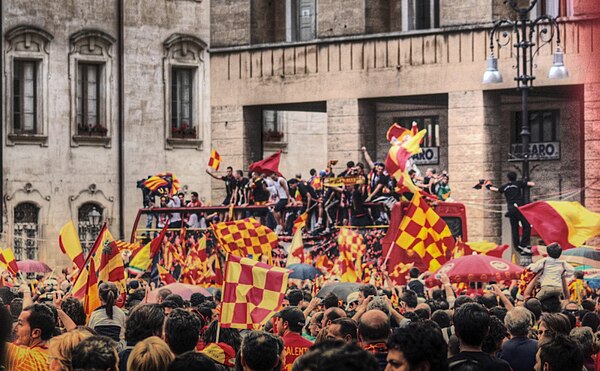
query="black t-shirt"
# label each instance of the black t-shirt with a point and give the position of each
(260, 193)
(384, 180)
(513, 192)
(418, 287)
(230, 184)
(485, 361)
(358, 207)
(241, 190)
(304, 189)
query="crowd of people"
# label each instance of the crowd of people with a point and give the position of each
(411, 327)
(356, 196)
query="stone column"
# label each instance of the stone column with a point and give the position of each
(350, 125)
(474, 152)
(591, 145)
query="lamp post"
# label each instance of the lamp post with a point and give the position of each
(524, 30)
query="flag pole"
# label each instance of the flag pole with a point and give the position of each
(388, 255)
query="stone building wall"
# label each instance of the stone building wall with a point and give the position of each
(59, 171)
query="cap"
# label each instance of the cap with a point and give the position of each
(221, 353)
(291, 315)
(352, 297)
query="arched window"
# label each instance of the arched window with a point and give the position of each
(26, 231)
(90, 217)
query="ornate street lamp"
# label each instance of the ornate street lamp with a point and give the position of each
(94, 218)
(524, 30)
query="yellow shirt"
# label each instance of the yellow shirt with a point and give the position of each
(23, 358)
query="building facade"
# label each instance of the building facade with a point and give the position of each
(354, 67)
(96, 95)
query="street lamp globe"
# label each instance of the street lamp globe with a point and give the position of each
(491, 74)
(94, 217)
(558, 70)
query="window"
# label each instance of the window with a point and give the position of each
(182, 103)
(272, 126)
(25, 96)
(90, 218)
(420, 14)
(543, 125)
(431, 123)
(26, 231)
(301, 16)
(88, 100)
(27, 60)
(185, 91)
(90, 68)
(553, 8)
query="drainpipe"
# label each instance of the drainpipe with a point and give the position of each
(121, 120)
(1, 118)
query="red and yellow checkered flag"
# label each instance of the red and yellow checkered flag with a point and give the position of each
(252, 293)
(245, 236)
(215, 160)
(300, 222)
(423, 232)
(351, 245)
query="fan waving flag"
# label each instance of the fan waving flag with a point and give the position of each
(10, 260)
(424, 233)
(69, 243)
(252, 293)
(162, 184)
(399, 153)
(268, 166)
(296, 254)
(244, 237)
(568, 223)
(300, 222)
(215, 160)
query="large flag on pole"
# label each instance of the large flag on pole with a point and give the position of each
(424, 233)
(69, 243)
(269, 165)
(141, 260)
(402, 149)
(244, 237)
(10, 260)
(162, 184)
(296, 254)
(568, 223)
(252, 293)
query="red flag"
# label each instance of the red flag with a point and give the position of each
(268, 166)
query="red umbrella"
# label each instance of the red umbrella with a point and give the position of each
(182, 289)
(31, 266)
(476, 268)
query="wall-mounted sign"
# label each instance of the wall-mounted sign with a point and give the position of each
(428, 156)
(537, 151)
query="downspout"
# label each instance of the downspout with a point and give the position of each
(121, 120)
(2, 117)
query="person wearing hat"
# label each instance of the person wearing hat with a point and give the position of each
(290, 321)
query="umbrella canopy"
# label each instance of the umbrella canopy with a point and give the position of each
(33, 266)
(476, 268)
(588, 256)
(304, 271)
(341, 289)
(593, 280)
(182, 289)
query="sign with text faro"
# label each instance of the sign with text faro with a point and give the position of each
(428, 156)
(537, 151)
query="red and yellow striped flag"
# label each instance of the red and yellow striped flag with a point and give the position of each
(10, 261)
(91, 299)
(215, 160)
(165, 276)
(423, 232)
(296, 254)
(351, 245)
(69, 243)
(245, 236)
(252, 293)
(568, 223)
(112, 268)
